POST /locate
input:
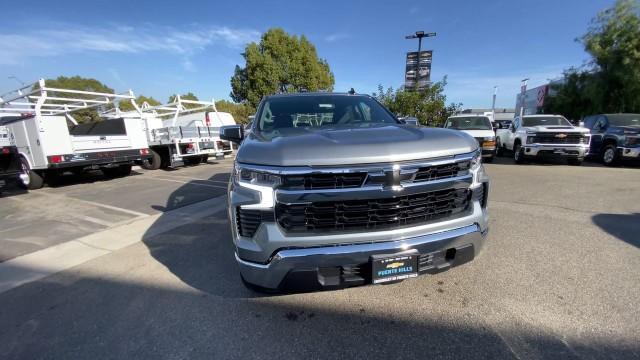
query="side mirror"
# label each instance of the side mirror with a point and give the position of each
(233, 133)
(512, 128)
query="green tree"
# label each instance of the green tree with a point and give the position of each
(187, 96)
(610, 82)
(240, 112)
(613, 40)
(125, 105)
(84, 84)
(427, 105)
(280, 63)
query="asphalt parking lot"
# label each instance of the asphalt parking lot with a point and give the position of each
(557, 279)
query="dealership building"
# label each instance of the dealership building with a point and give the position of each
(534, 98)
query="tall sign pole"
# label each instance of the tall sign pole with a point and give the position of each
(419, 35)
(523, 90)
(493, 103)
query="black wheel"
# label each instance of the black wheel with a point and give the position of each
(518, 154)
(192, 160)
(115, 172)
(53, 177)
(29, 179)
(499, 148)
(152, 163)
(205, 159)
(610, 155)
(574, 161)
(124, 170)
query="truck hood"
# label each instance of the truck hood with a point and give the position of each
(480, 133)
(629, 130)
(558, 128)
(378, 143)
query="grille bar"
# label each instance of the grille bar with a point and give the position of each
(372, 214)
(559, 138)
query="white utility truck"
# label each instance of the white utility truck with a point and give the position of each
(50, 141)
(183, 132)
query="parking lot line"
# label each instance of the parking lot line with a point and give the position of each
(198, 179)
(184, 182)
(88, 202)
(40, 264)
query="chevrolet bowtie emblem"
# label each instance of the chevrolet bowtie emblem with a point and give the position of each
(393, 178)
(561, 136)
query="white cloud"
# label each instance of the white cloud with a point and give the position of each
(336, 37)
(67, 39)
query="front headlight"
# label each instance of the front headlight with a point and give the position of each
(632, 141)
(255, 177)
(476, 160)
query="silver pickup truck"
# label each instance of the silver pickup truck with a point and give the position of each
(331, 191)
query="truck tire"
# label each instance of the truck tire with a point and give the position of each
(205, 159)
(116, 172)
(518, 153)
(30, 179)
(192, 160)
(499, 148)
(574, 161)
(152, 163)
(610, 155)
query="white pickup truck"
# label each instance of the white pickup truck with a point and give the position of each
(544, 136)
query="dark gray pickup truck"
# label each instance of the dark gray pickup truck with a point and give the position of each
(331, 190)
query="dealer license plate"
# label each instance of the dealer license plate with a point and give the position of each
(388, 268)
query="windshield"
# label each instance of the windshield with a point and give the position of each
(545, 121)
(314, 111)
(469, 123)
(624, 119)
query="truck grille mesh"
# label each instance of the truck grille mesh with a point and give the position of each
(552, 138)
(373, 214)
(248, 220)
(324, 181)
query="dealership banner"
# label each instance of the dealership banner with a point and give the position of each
(418, 76)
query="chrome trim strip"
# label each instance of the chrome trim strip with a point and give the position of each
(345, 250)
(355, 168)
(429, 186)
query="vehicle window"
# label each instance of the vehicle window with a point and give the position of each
(469, 123)
(516, 123)
(624, 119)
(588, 122)
(322, 110)
(545, 121)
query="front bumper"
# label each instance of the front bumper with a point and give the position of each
(348, 265)
(630, 153)
(562, 150)
(276, 259)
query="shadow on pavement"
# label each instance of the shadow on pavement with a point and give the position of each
(111, 309)
(80, 316)
(201, 252)
(625, 227)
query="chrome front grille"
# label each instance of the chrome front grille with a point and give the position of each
(373, 214)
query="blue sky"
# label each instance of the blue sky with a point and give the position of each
(159, 48)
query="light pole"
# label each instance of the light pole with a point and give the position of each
(419, 35)
(493, 103)
(523, 92)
